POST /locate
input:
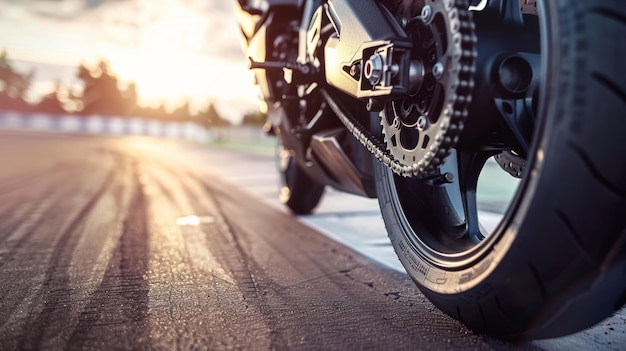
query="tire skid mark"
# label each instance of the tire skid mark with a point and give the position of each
(189, 288)
(232, 230)
(29, 219)
(214, 287)
(209, 193)
(289, 315)
(27, 252)
(229, 251)
(255, 284)
(188, 195)
(235, 261)
(55, 291)
(154, 178)
(119, 305)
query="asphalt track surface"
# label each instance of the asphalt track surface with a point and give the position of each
(139, 243)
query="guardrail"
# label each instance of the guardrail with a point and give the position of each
(73, 124)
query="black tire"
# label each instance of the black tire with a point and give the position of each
(298, 191)
(556, 264)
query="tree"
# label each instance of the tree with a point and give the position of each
(130, 97)
(102, 94)
(51, 103)
(181, 113)
(254, 119)
(13, 85)
(211, 118)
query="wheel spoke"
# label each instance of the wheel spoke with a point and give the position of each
(519, 124)
(469, 166)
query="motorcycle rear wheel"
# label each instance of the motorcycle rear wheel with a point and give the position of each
(556, 263)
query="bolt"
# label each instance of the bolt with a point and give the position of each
(427, 13)
(445, 178)
(438, 70)
(422, 123)
(403, 22)
(355, 70)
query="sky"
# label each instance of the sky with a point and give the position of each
(175, 50)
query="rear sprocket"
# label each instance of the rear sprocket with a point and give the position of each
(420, 129)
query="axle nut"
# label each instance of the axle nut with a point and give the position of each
(374, 69)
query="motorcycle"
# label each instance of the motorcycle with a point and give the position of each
(408, 100)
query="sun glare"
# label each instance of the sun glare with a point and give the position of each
(177, 76)
(167, 64)
(173, 51)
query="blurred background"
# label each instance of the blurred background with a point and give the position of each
(167, 60)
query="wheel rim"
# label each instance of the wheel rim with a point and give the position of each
(440, 215)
